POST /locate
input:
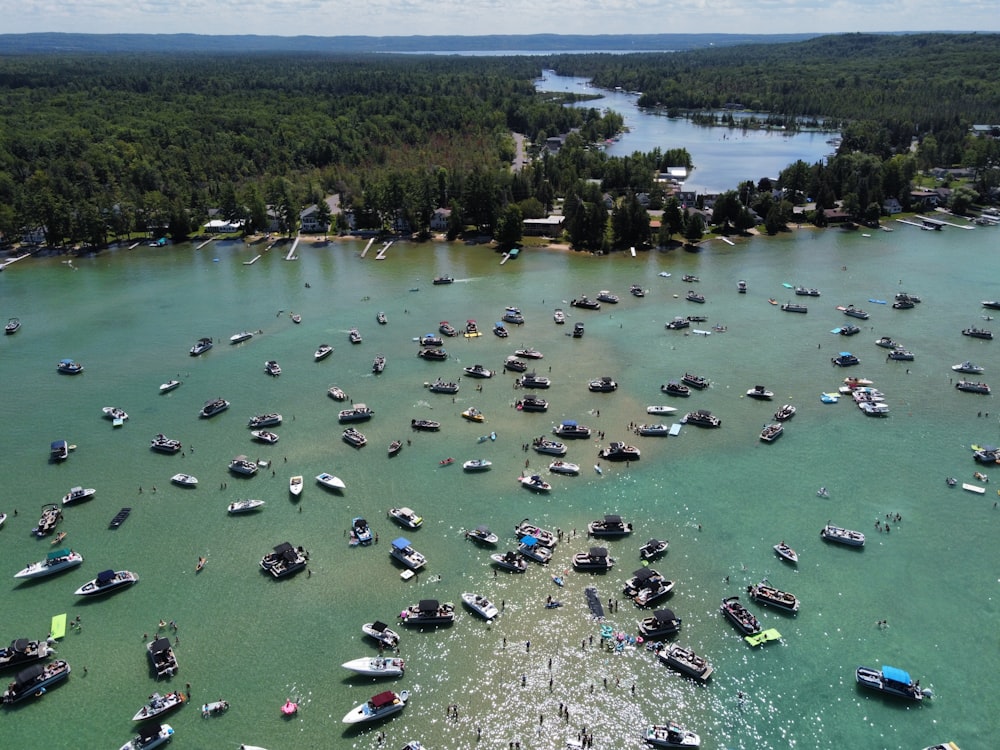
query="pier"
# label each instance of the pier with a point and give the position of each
(367, 247)
(291, 251)
(11, 261)
(203, 243)
(381, 253)
(133, 246)
(728, 241)
(937, 223)
(251, 262)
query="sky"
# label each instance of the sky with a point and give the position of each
(474, 17)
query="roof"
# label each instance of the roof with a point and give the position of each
(485, 530)
(284, 547)
(159, 646)
(664, 614)
(643, 574)
(379, 626)
(569, 423)
(105, 576)
(400, 543)
(612, 519)
(383, 699)
(598, 551)
(428, 605)
(59, 553)
(896, 675)
(529, 541)
(29, 674)
(149, 733)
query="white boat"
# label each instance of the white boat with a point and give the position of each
(163, 444)
(544, 536)
(530, 549)
(404, 552)
(549, 447)
(660, 409)
(150, 737)
(968, 367)
(169, 386)
(161, 656)
(510, 561)
(376, 666)
(244, 506)
(113, 412)
(272, 368)
(564, 467)
(54, 562)
(243, 465)
(480, 605)
(653, 548)
(184, 480)
(159, 705)
(428, 612)
(381, 633)
(378, 707)
(330, 481)
(201, 346)
(322, 352)
(284, 560)
(265, 436)
(78, 494)
(106, 582)
(786, 553)
(354, 438)
(851, 538)
(653, 430)
(295, 485)
(671, 735)
(405, 517)
(336, 393)
(213, 407)
(535, 483)
(240, 337)
(357, 413)
(559, 316)
(478, 371)
(477, 464)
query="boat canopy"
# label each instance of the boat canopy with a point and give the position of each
(612, 520)
(379, 627)
(29, 674)
(383, 699)
(529, 541)
(147, 734)
(484, 530)
(897, 675)
(845, 354)
(105, 576)
(400, 543)
(598, 551)
(643, 574)
(664, 615)
(653, 543)
(428, 605)
(20, 645)
(59, 553)
(284, 548)
(159, 646)
(569, 423)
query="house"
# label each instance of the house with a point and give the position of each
(223, 226)
(550, 226)
(923, 199)
(33, 236)
(310, 221)
(892, 206)
(439, 219)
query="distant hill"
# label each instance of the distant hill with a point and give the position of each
(58, 43)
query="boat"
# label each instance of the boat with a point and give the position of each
(264, 420)
(357, 413)
(284, 560)
(764, 593)
(106, 582)
(535, 483)
(513, 316)
(559, 316)
(12, 327)
(603, 385)
(403, 551)
(986, 454)
(477, 464)
(383, 704)
(474, 415)
(794, 308)
(786, 553)
(322, 352)
(845, 359)
(78, 494)
(678, 323)
(542, 536)
(425, 425)
(169, 386)
(990, 304)
(531, 402)
(903, 303)
(978, 333)
(968, 367)
(477, 371)
(531, 380)
(429, 339)
(618, 451)
(405, 517)
(69, 367)
(361, 532)
(886, 342)
(570, 429)
(564, 467)
(272, 368)
(202, 562)
(157, 705)
(336, 393)
(760, 392)
(549, 447)
(295, 485)
(49, 519)
(150, 737)
(610, 525)
(943, 746)
(471, 329)
(671, 735)
(890, 680)
(265, 436)
(605, 296)
(772, 432)
(381, 633)
(54, 562)
(428, 612)
(447, 328)
(354, 336)
(901, 355)
(243, 465)
(693, 296)
(119, 518)
(855, 312)
(201, 346)
(806, 292)
(377, 666)
(874, 409)
(837, 534)
(647, 586)
(972, 387)
(480, 605)
(482, 535)
(244, 506)
(741, 618)
(663, 622)
(741, 286)
(34, 679)
(22, 651)
(440, 280)
(660, 410)
(529, 353)
(702, 418)
(380, 318)
(595, 559)
(578, 330)
(513, 364)
(394, 447)
(441, 386)
(653, 549)
(163, 444)
(115, 414)
(511, 561)
(238, 338)
(378, 364)
(213, 407)
(675, 388)
(330, 481)
(586, 303)
(848, 330)
(162, 657)
(695, 381)
(354, 438)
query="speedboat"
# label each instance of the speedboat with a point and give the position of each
(901, 355)
(106, 582)
(603, 385)
(686, 661)
(529, 353)
(647, 586)
(439, 280)
(971, 387)
(570, 429)
(473, 415)
(376, 666)
(357, 413)
(662, 622)
(543, 537)
(360, 531)
(636, 290)
(405, 517)
(478, 371)
(586, 303)
(891, 681)
(425, 425)
(671, 735)
(741, 286)
(428, 612)
(69, 367)
(50, 518)
(244, 506)
(330, 481)
(535, 483)
(150, 737)
(78, 494)
(264, 420)
(531, 402)
(354, 336)
(610, 525)
(381, 633)
(653, 430)
(845, 359)
(159, 705)
(851, 538)
(477, 464)
(54, 562)
(886, 342)
(213, 407)
(163, 444)
(678, 323)
(513, 364)
(772, 432)
(440, 386)
(322, 352)
(786, 553)
(690, 278)
(471, 329)
(12, 327)
(675, 388)
(653, 549)
(272, 368)
(595, 559)
(618, 451)
(336, 393)
(238, 338)
(760, 392)
(874, 409)
(22, 651)
(564, 467)
(265, 436)
(114, 413)
(243, 465)
(511, 561)
(483, 535)
(201, 346)
(559, 316)
(549, 447)
(169, 386)
(660, 410)
(404, 552)
(578, 330)
(383, 704)
(161, 656)
(785, 413)
(480, 605)
(354, 438)
(968, 367)
(380, 318)
(741, 618)
(33, 680)
(378, 364)
(531, 380)
(447, 328)
(284, 560)
(184, 480)
(295, 485)
(605, 296)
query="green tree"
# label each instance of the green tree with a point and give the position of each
(509, 227)
(695, 229)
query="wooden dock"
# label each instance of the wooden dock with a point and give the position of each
(291, 251)
(251, 262)
(381, 253)
(728, 241)
(940, 222)
(204, 243)
(504, 258)
(11, 261)
(367, 247)
(133, 246)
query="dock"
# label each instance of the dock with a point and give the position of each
(251, 262)
(204, 243)
(11, 261)
(504, 258)
(937, 223)
(367, 247)
(381, 253)
(133, 246)
(291, 251)
(728, 241)
(632, 251)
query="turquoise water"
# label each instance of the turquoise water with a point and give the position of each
(721, 497)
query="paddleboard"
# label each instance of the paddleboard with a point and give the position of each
(787, 285)
(836, 330)
(675, 429)
(598, 469)
(841, 308)
(878, 301)
(58, 627)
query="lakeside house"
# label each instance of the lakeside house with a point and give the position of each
(439, 219)
(223, 226)
(550, 226)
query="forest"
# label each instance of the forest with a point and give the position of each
(95, 147)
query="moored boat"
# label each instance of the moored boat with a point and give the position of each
(425, 425)
(653, 549)
(243, 465)
(511, 561)
(549, 447)
(402, 550)
(478, 371)
(34, 680)
(610, 525)
(157, 705)
(381, 705)
(184, 480)
(212, 407)
(284, 560)
(531, 402)
(106, 582)
(272, 368)
(675, 388)
(473, 415)
(772, 432)
(558, 316)
(12, 327)
(535, 483)
(564, 467)
(663, 622)
(265, 436)
(78, 494)
(972, 387)
(586, 303)
(150, 737)
(543, 537)
(330, 481)
(702, 418)
(786, 553)
(354, 438)
(890, 680)
(968, 367)
(49, 519)
(840, 535)
(569, 428)
(162, 658)
(354, 336)
(482, 535)
(169, 386)
(678, 323)
(295, 485)
(201, 346)
(357, 413)
(603, 384)
(978, 333)
(794, 308)
(806, 291)
(477, 464)
(529, 353)
(855, 312)
(381, 633)
(671, 735)
(361, 532)
(764, 593)
(336, 393)
(886, 342)
(845, 359)
(741, 618)
(69, 367)
(686, 661)
(480, 605)
(322, 352)
(447, 328)
(619, 451)
(694, 296)
(595, 559)
(376, 666)
(786, 412)
(532, 380)
(244, 506)
(238, 338)
(21, 651)
(405, 517)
